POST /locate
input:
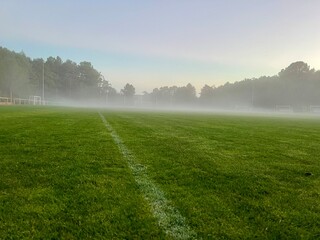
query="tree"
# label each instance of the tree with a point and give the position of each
(105, 87)
(88, 80)
(70, 78)
(128, 90)
(185, 95)
(295, 80)
(14, 73)
(206, 94)
(128, 93)
(52, 75)
(21, 77)
(113, 96)
(296, 71)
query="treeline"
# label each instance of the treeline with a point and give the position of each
(21, 77)
(297, 86)
(174, 95)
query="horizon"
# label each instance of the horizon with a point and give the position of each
(158, 87)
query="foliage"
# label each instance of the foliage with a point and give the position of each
(206, 94)
(128, 94)
(184, 95)
(14, 72)
(21, 77)
(128, 90)
(297, 85)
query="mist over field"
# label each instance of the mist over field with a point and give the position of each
(295, 88)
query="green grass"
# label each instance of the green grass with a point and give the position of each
(63, 177)
(230, 176)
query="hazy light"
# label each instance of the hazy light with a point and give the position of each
(159, 41)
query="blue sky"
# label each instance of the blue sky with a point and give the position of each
(167, 42)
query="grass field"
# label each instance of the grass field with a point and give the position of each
(63, 175)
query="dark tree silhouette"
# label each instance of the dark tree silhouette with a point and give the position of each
(128, 93)
(206, 94)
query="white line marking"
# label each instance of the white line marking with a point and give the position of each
(169, 218)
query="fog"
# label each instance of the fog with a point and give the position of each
(294, 89)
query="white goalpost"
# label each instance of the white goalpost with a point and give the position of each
(35, 100)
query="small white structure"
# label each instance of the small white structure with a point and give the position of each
(20, 101)
(5, 101)
(35, 100)
(314, 108)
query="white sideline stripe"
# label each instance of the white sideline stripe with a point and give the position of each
(169, 218)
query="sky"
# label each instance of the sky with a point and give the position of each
(154, 43)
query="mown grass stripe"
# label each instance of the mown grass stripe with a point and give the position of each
(169, 218)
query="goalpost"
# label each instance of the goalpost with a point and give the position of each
(35, 100)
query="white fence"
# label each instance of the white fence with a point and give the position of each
(5, 101)
(33, 100)
(314, 108)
